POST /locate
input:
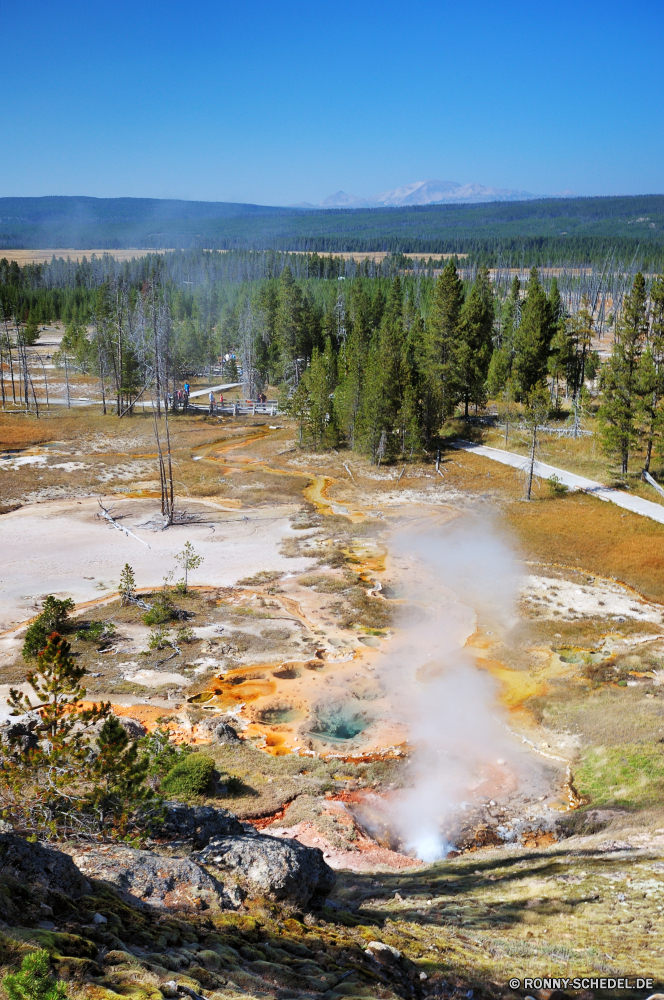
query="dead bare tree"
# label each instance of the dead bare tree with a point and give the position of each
(252, 383)
(165, 477)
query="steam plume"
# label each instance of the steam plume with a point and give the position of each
(456, 578)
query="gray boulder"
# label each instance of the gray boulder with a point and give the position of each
(41, 867)
(132, 727)
(20, 734)
(282, 870)
(144, 878)
(219, 729)
(190, 828)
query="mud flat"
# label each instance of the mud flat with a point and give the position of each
(66, 548)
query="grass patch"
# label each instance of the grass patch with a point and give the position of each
(258, 579)
(324, 584)
(628, 776)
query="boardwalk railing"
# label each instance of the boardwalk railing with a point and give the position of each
(231, 408)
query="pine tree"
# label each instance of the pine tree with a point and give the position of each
(43, 777)
(533, 337)
(188, 559)
(535, 413)
(56, 682)
(443, 334)
(620, 380)
(118, 777)
(127, 588)
(348, 393)
(502, 359)
(34, 980)
(475, 341)
(316, 397)
(288, 323)
(372, 411)
(651, 371)
(386, 379)
(53, 618)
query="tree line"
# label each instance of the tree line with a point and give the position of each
(377, 362)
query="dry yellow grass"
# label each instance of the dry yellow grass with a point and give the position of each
(23, 257)
(576, 530)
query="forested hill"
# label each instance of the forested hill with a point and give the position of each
(543, 231)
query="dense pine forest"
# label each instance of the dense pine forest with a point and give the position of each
(371, 356)
(540, 232)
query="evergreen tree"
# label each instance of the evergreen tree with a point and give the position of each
(313, 400)
(53, 618)
(288, 324)
(188, 560)
(533, 337)
(651, 373)
(620, 380)
(348, 393)
(127, 588)
(118, 777)
(34, 980)
(475, 341)
(385, 386)
(502, 359)
(535, 413)
(443, 335)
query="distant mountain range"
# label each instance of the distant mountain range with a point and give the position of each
(423, 193)
(560, 228)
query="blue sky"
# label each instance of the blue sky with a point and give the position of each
(276, 103)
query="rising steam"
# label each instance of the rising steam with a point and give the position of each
(458, 578)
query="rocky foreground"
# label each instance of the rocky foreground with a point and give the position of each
(213, 909)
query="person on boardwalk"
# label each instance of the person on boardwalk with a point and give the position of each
(211, 401)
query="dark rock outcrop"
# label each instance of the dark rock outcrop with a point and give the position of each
(190, 828)
(19, 734)
(42, 868)
(282, 870)
(132, 727)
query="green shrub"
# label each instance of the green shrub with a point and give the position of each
(161, 753)
(158, 638)
(34, 980)
(190, 776)
(52, 619)
(557, 487)
(162, 611)
(96, 631)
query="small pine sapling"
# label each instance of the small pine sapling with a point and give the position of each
(557, 487)
(188, 560)
(158, 638)
(34, 981)
(127, 586)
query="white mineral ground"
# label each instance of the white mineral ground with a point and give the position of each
(64, 547)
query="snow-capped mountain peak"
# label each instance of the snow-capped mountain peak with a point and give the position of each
(429, 192)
